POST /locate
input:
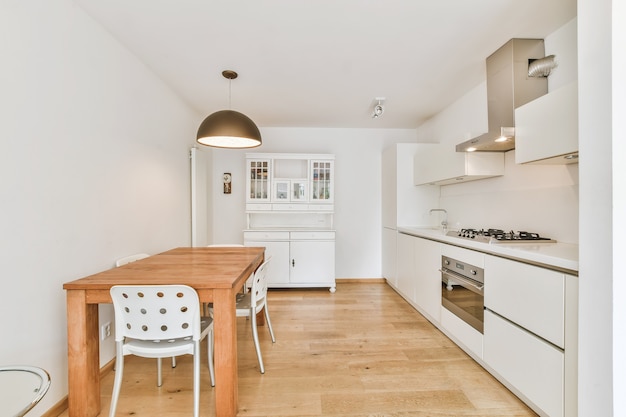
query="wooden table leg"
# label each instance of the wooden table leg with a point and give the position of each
(83, 356)
(225, 328)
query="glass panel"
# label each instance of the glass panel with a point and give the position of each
(282, 190)
(259, 174)
(299, 190)
(321, 181)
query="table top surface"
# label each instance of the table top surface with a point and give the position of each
(200, 268)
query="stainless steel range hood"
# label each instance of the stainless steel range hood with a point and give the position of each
(508, 87)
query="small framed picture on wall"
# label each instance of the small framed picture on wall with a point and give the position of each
(228, 178)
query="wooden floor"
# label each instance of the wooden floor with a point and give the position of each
(362, 351)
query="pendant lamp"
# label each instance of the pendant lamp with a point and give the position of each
(229, 128)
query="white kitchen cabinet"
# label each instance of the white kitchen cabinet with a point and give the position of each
(403, 203)
(389, 255)
(406, 266)
(525, 362)
(461, 333)
(290, 191)
(299, 258)
(546, 129)
(443, 165)
(418, 277)
(530, 337)
(258, 180)
(286, 182)
(530, 296)
(428, 278)
(312, 263)
(322, 180)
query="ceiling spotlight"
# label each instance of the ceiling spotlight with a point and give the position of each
(379, 109)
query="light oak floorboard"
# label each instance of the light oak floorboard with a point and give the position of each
(362, 351)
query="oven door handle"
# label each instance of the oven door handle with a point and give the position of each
(464, 280)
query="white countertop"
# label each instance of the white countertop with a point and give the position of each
(557, 255)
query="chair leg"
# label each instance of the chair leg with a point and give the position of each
(159, 373)
(173, 361)
(269, 323)
(196, 379)
(117, 382)
(209, 341)
(255, 336)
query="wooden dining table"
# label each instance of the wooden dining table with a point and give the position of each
(216, 273)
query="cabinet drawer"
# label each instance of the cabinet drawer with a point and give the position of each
(258, 207)
(528, 363)
(321, 207)
(466, 335)
(316, 235)
(530, 296)
(263, 235)
(290, 207)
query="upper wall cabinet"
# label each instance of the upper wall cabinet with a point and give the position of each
(546, 129)
(443, 165)
(290, 182)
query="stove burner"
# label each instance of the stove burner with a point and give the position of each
(499, 236)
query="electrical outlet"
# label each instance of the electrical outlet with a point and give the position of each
(105, 330)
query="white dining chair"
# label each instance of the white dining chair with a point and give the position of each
(252, 302)
(133, 258)
(153, 321)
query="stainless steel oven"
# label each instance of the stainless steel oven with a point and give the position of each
(462, 291)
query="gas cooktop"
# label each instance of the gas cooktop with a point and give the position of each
(499, 236)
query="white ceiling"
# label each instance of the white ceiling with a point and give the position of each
(321, 63)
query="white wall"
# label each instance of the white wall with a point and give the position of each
(596, 115)
(542, 199)
(619, 206)
(357, 189)
(93, 166)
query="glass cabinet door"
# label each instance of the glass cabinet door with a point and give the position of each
(299, 190)
(259, 175)
(281, 191)
(322, 181)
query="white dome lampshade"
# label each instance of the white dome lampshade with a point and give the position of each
(229, 128)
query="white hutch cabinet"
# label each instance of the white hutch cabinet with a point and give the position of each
(289, 209)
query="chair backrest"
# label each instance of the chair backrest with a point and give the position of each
(131, 258)
(21, 388)
(258, 292)
(156, 312)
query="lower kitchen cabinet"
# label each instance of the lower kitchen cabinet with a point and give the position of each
(530, 296)
(299, 258)
(526, 363)
(461, 333)
(530, 337)
(405, 282)
(428, 277)
(389, 253)
(418, 277)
